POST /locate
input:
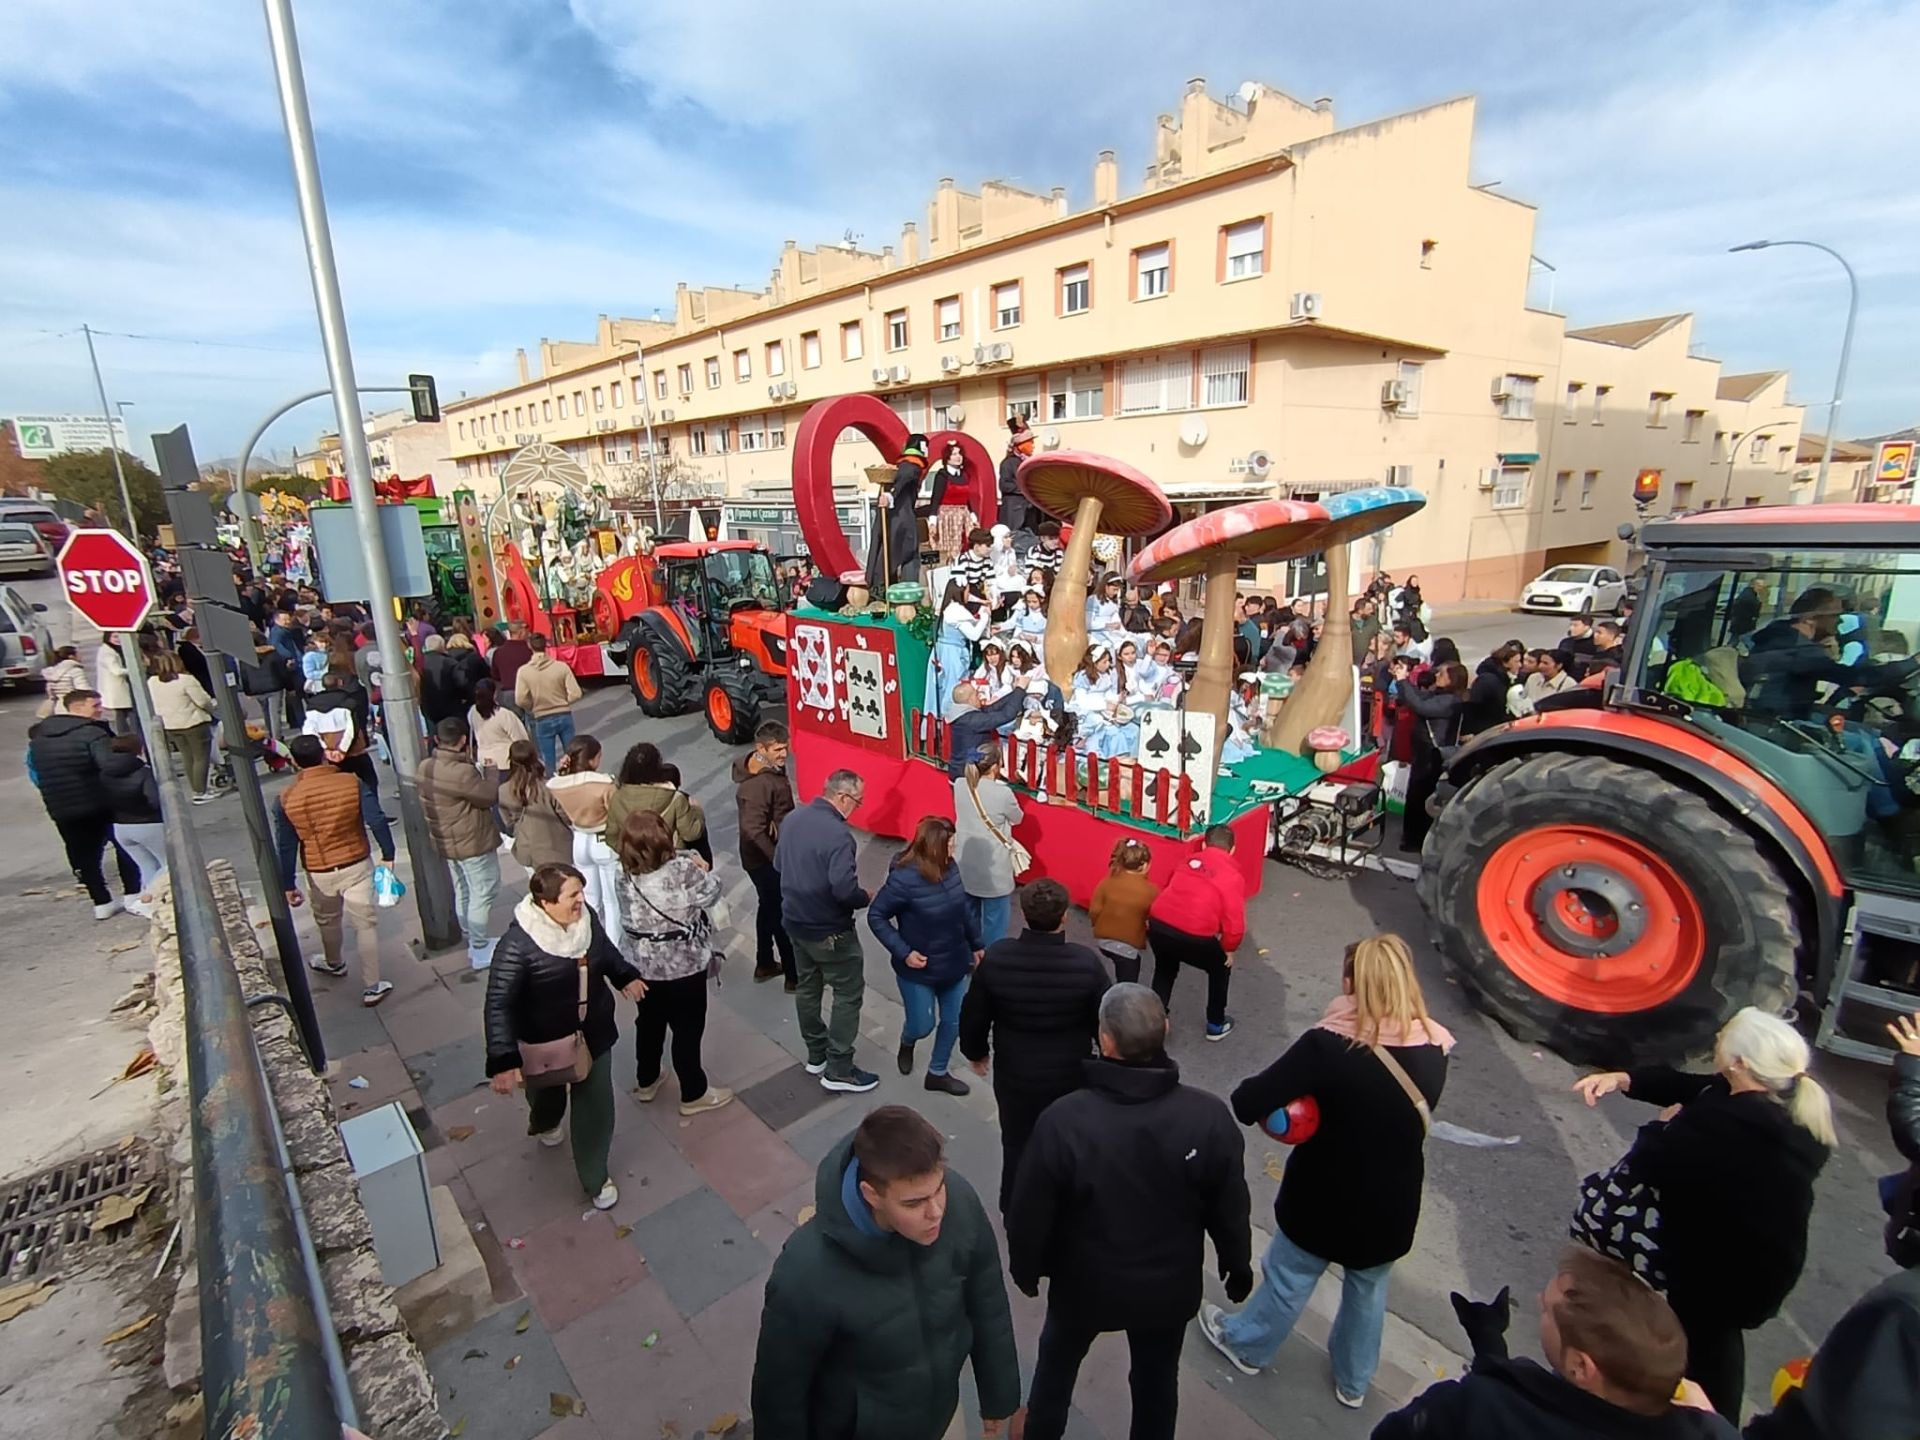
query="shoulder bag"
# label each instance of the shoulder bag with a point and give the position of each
(547, 1063)
(1618, 1214)
(1399, 1073)
(696, 930)
(1021, 857)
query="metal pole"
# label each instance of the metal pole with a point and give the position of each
(113, 446)
(150, 731)
(653, 469)
(249, 526)
(432, 888)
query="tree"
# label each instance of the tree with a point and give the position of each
(86, 477)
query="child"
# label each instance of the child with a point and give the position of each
(1119, 909)
(1031, 619)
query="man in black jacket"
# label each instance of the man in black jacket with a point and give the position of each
(65, 751)
(970, 724)
(1118, 1186)
(1036, 1002)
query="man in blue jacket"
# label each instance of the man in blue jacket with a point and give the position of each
(971, 725)
(819, 893)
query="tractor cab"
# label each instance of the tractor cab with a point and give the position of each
(707, 590)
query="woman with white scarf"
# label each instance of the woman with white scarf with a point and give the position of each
(583, 792)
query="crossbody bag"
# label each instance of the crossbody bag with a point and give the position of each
(697, 931)
(1399, 1073)
(1021, 857)
(547, 1063)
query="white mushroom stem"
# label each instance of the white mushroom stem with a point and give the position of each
(1066, 639)
(1213, 676)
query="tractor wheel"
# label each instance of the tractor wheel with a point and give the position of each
(1604, 911)
(662, 684)
(732, 709)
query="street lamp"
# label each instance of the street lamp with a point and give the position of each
(1846, 348)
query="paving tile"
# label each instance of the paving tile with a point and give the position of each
(630, 1386)
(497, 1403)
(772, 1225)
(699, 1250)
(650, 1172)
(790, 1094)
(499, 1122)
(501, 1280)
(387, 1080)
(345, 1024)
(434, 1017)
(813, 1137)
(451, 1070)
(573, 1265)
(743, 1161)
(730, 1330)
(520, 1190)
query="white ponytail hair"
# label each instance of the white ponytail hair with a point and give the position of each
(1776, 1055)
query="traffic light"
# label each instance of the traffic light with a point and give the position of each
(426, 399)
(1646, 488)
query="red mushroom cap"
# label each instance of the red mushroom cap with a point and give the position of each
(1130, 503)
(1257, 530)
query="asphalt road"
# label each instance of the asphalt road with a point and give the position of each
(1493, 1216)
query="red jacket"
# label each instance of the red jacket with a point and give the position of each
(1206, 896)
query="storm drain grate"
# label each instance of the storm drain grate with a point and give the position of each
(44, 1215)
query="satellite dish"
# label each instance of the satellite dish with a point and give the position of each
(956, 416)
(1193, 432)
(1259, 462)
(1051, 439)
(1250, 91)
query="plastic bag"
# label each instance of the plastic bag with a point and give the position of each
(387, 887)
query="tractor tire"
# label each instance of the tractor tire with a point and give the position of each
(732, 708)
(1606, 912)
(662, 682)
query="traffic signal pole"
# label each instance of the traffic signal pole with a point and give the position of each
(432, 887)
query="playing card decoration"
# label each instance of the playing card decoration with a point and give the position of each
(1179, 742)
(809, 653)
(844, 685)
(865, 703)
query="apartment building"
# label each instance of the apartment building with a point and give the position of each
(1281, 308)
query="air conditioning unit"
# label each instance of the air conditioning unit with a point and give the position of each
(951, 364)
(773, 392)
(1400, 476)
(1001, 353)
(1306, 305)
(789, 389)
(1489, 477)
(899, 375)
(665, 417)
(1393, 394)
(981, 354)
(879, 374)
(1259, 464)
(1502, 389)
(605, 425)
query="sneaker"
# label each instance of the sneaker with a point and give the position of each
(375, 992)
(1352, 1402)
(479, 957)
(853, 1080)
(764, 973)
(108, 910)
(1212, 1317)
(714, 1099)
(134, 905)
(608, 1197)
(947, 1084)
(904, 1059)
(816, 1067)
(551, 1138)
(325, 969)
(1220, 1031)
(645, 1093)
(206, 797)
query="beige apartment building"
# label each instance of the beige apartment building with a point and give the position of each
(1280, 308)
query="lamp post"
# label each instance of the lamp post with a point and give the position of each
(1846, 349)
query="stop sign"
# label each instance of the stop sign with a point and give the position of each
(106, 578)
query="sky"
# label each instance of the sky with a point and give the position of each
(504, 171)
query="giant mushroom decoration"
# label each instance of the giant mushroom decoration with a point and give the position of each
(1216, 545)
(1094, 493)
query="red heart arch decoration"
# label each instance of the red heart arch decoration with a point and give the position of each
(813, 448)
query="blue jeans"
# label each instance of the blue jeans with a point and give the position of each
(553, 733)
(991, 913)
(921, 1002)
(475, 883)
(1287, 1277)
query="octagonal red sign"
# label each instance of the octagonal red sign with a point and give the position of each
(106, 578)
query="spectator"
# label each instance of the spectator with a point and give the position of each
(542, 833)
(1486, 702)
(547, 691)
(1200, 920)
(494, 727)
(664, 896)
(510, 652)
(1552, 673)
(1015, 509)
(1404, 642)
(437, 698)
(321, 811)
(819, 891)
(139, 828)
(1375, 1064)
(970, 726)
(1121, 1183)
(1579, 643)
(586, 794)
(1434, 719)
(551, 977)
(340, 716)
(645, 785)
(924, 919)
(1119, 908)
(985, 811)
(1365, 624)
(64, 752)
(458, 803)
(834, 1357)
(1733, 1168)
(63, 675)
(185, 712)
(764, 796)
(465, 670)
(110, 680)
(1034, 1004)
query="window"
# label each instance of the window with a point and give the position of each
(1600, 393)
(580, 403)
(685, 376)
(1152, 271)
(1075, 394)
(1659, 403)
(618, 450)
(1076, 289)
(1155, 384)
(1562, 482)
(896, 330)
(462, 431)
(742, 365)
(713, 372)
(1757, 451)
(1510, 489)
(1783, 457)
(1589, 481)
(1223, 374)
(1569, 413)
(599, 398)
(1243, 250)
(1023, 398)
(944, 398)
(1006, 305)
(1753, 500)
(619, 394)
(1683, 495)
(696, 439)
(718, 438)
(776, 432)
(659, 384)
(1719, 446)
(563, 407)
(753, 432)
(1516, 400)
(776, 358)
(1409, 374)
(850, 340)
(911, 407)
(946, 314)
(810, 350)
(519, 417)
(546, 409)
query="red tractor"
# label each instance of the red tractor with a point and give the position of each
(712, 634)
(1615, 881)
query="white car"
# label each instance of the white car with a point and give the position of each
(1575, 590)
(24, 639)
(22, 551)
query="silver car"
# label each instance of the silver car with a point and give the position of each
(25, 641)
(22, 551)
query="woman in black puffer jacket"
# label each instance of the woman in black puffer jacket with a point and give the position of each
(533, 994)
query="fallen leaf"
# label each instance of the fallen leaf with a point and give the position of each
(620, 1232)
(122, 949)
(653, 1339)
(37, 890)
(460, 1132)
(117, 1209)
(134, 1329)
(1263, 950)
(562, 1404)
(806, 1214)
(1275, 1170)
(511, 1364)
(18, 1299)
(459, 1427)
(669, 1430)
(143, 1061)
(520, 1325)
(474, 1355)
(723, 1424)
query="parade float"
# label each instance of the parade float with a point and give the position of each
(857, 675)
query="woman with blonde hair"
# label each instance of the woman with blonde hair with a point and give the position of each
(1374, 1065)
(1728, 1167)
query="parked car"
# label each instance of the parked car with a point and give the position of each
(51, 527)
(22, 551)
(25, 641)
(1575, 590)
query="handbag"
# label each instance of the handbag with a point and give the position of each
(547, 1063)
(1021, 857)
(1398, 1071)
(1618, 1214)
